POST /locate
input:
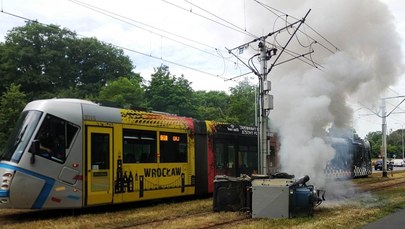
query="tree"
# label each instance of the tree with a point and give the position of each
(33, 56)
(242, 104)
(394, 144)
(375, 139)
(211, 105)
(123, 91)
(47, 61)
(12, 102)
(95, 63)
(169, 93)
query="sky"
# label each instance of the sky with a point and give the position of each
(192, 38)
(362, 116)
(353, 55)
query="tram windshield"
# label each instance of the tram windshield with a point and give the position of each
(20, 136)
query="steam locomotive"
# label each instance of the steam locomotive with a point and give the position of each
(352, 158)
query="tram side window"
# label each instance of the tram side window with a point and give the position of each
(173, 147)
(231, 156)
(358, 153)
(248, 159)
(55, 137)
(139, 146)
(100, 146)
(219, 156)
(243, 159)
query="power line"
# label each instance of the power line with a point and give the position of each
(171, 62)
(20, 17)
(132, 22)
(222, 22)
(399, 108)
(226, 21)
(232, 26)
(269, 8)
(128, 49)
(237, 29)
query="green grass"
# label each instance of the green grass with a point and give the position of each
(353, 212)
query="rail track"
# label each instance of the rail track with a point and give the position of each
(181, 214)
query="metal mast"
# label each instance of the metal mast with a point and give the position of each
(384, 116)
(265, 102)
(384, 137)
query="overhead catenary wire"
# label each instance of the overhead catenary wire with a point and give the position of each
(217, 20)
(395, 107)
(125, 48)
(231, 26)
(225, 21)
(304, 59)
(291, 25)
(218, 52)
(399, 108)
(293, 54)
(284, 49)
(272, 9)
(239, 29)
(137, 24)
(288, 41)
(235, 28)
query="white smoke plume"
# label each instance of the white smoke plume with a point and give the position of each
(307, 101)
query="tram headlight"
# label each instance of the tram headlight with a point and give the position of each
(5, 184)
(8, 175)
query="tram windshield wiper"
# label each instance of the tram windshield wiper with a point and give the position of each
(20, 136)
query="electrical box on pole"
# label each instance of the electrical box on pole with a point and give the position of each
(268, 102)
(267, 85)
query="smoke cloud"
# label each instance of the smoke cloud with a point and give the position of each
(308, 101)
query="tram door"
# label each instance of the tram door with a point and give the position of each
(99, 165)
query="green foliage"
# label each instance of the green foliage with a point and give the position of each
(394, 144)
(12, 103)
(169, 93)
(242, 104)
(48, 61)
(123, 91)
(211, 105)
(34, 57)
(375, 139)
(95, 64)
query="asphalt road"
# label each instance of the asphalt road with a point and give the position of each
(392, 221)
(395, 169)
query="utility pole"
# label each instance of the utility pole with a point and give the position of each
(384, 137)
(402, 138)
(384, 116)
(265, 103)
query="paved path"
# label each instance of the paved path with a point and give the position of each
(395, 220)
